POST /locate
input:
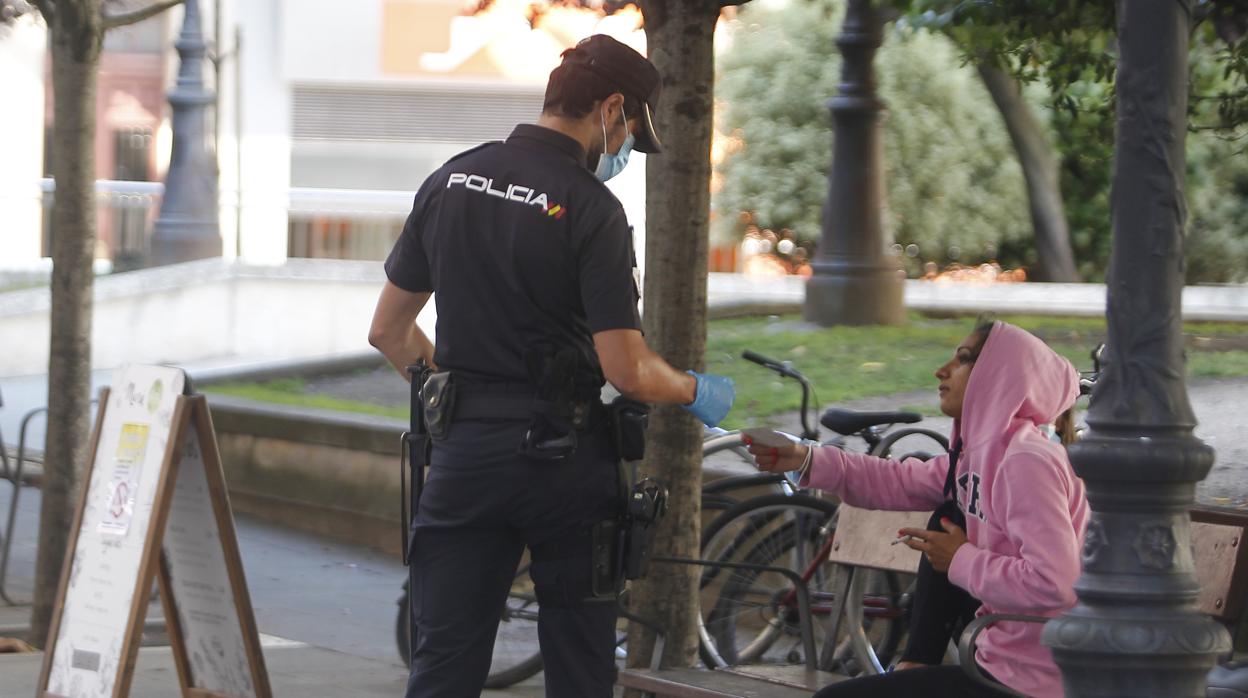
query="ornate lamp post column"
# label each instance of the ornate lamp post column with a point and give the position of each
(855, 280)
(187, 227)
(1135, 631)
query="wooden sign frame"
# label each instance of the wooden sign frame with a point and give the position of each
(189, 413)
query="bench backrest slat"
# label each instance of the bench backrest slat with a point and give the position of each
(863, 538)
(1221, 560)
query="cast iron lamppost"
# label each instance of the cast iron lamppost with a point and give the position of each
(187, 227)
(1136, 631)
(855, 280)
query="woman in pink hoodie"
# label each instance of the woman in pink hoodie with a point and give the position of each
(1025, 510)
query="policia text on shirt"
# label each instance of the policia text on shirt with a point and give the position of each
(529, 259)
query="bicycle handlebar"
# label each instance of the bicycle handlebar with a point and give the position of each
(786, 370)
(770, 363)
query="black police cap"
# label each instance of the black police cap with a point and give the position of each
(627, 70)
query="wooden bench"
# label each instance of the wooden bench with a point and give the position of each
(862, 543)
(1218, 555)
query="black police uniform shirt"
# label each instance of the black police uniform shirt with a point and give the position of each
(521, 245)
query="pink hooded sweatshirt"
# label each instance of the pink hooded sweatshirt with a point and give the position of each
(1025, 509)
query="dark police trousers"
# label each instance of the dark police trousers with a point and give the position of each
(482, 505)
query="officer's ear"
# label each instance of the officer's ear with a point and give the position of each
(612, 105)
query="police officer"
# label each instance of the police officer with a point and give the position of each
(529, 259)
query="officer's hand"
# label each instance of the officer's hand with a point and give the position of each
(712, 399)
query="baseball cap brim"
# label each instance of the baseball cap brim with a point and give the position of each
(647, 137)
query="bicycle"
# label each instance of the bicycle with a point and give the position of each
(516, 654)
(749, 611)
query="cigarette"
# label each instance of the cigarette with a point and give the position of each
(901, 539)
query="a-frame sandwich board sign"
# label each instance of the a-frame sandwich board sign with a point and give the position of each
(153, 506)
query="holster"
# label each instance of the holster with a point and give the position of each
(647, 504)
(557, 415)
(413, 453)
(621, 546)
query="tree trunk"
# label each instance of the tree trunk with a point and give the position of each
(680, 36)
(76, 33)
(1054, 259)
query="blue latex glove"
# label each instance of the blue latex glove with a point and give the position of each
(713, 398)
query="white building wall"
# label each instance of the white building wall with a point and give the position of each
(22, 50)
(323, 42)
(265, 116)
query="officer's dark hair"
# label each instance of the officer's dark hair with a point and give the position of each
(572, 91)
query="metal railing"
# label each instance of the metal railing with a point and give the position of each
(125, 212)
(345, 223)
(321, 223)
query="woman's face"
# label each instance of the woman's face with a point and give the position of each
(956, 372)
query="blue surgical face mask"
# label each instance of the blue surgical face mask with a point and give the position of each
(611, 165)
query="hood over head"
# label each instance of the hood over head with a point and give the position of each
(1016, 380)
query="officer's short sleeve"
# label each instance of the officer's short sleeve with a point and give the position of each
(605, 268)
(408, 266)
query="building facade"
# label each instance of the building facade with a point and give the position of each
(327, 119)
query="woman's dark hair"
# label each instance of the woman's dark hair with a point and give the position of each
(983, 326)
(572, 92)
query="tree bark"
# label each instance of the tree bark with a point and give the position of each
(1054, 259)
(76, 32)
(680, 36)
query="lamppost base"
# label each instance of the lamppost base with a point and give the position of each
(843, 294)
(1151, 653)
(176, 241)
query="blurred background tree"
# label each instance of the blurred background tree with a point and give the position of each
(955, 192)
(1065, 51)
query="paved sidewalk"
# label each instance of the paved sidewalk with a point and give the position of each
(295, 670)
(303, 671)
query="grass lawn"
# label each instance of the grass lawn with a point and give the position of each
(292, 391)
(845, 363)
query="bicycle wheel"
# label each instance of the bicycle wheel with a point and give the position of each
(911, 442)
(751, 615)
(516, 653)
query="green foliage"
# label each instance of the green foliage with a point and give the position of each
(953, 181)
(1084, 139)
(1217, 205)
(1069, 42)
(1217, 179)
(1069, 46)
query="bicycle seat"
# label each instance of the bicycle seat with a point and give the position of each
(847, 422)
(1228, 681)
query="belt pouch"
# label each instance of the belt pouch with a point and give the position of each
(438, 397)
(629, 419)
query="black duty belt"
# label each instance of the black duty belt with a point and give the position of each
(513, 406)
